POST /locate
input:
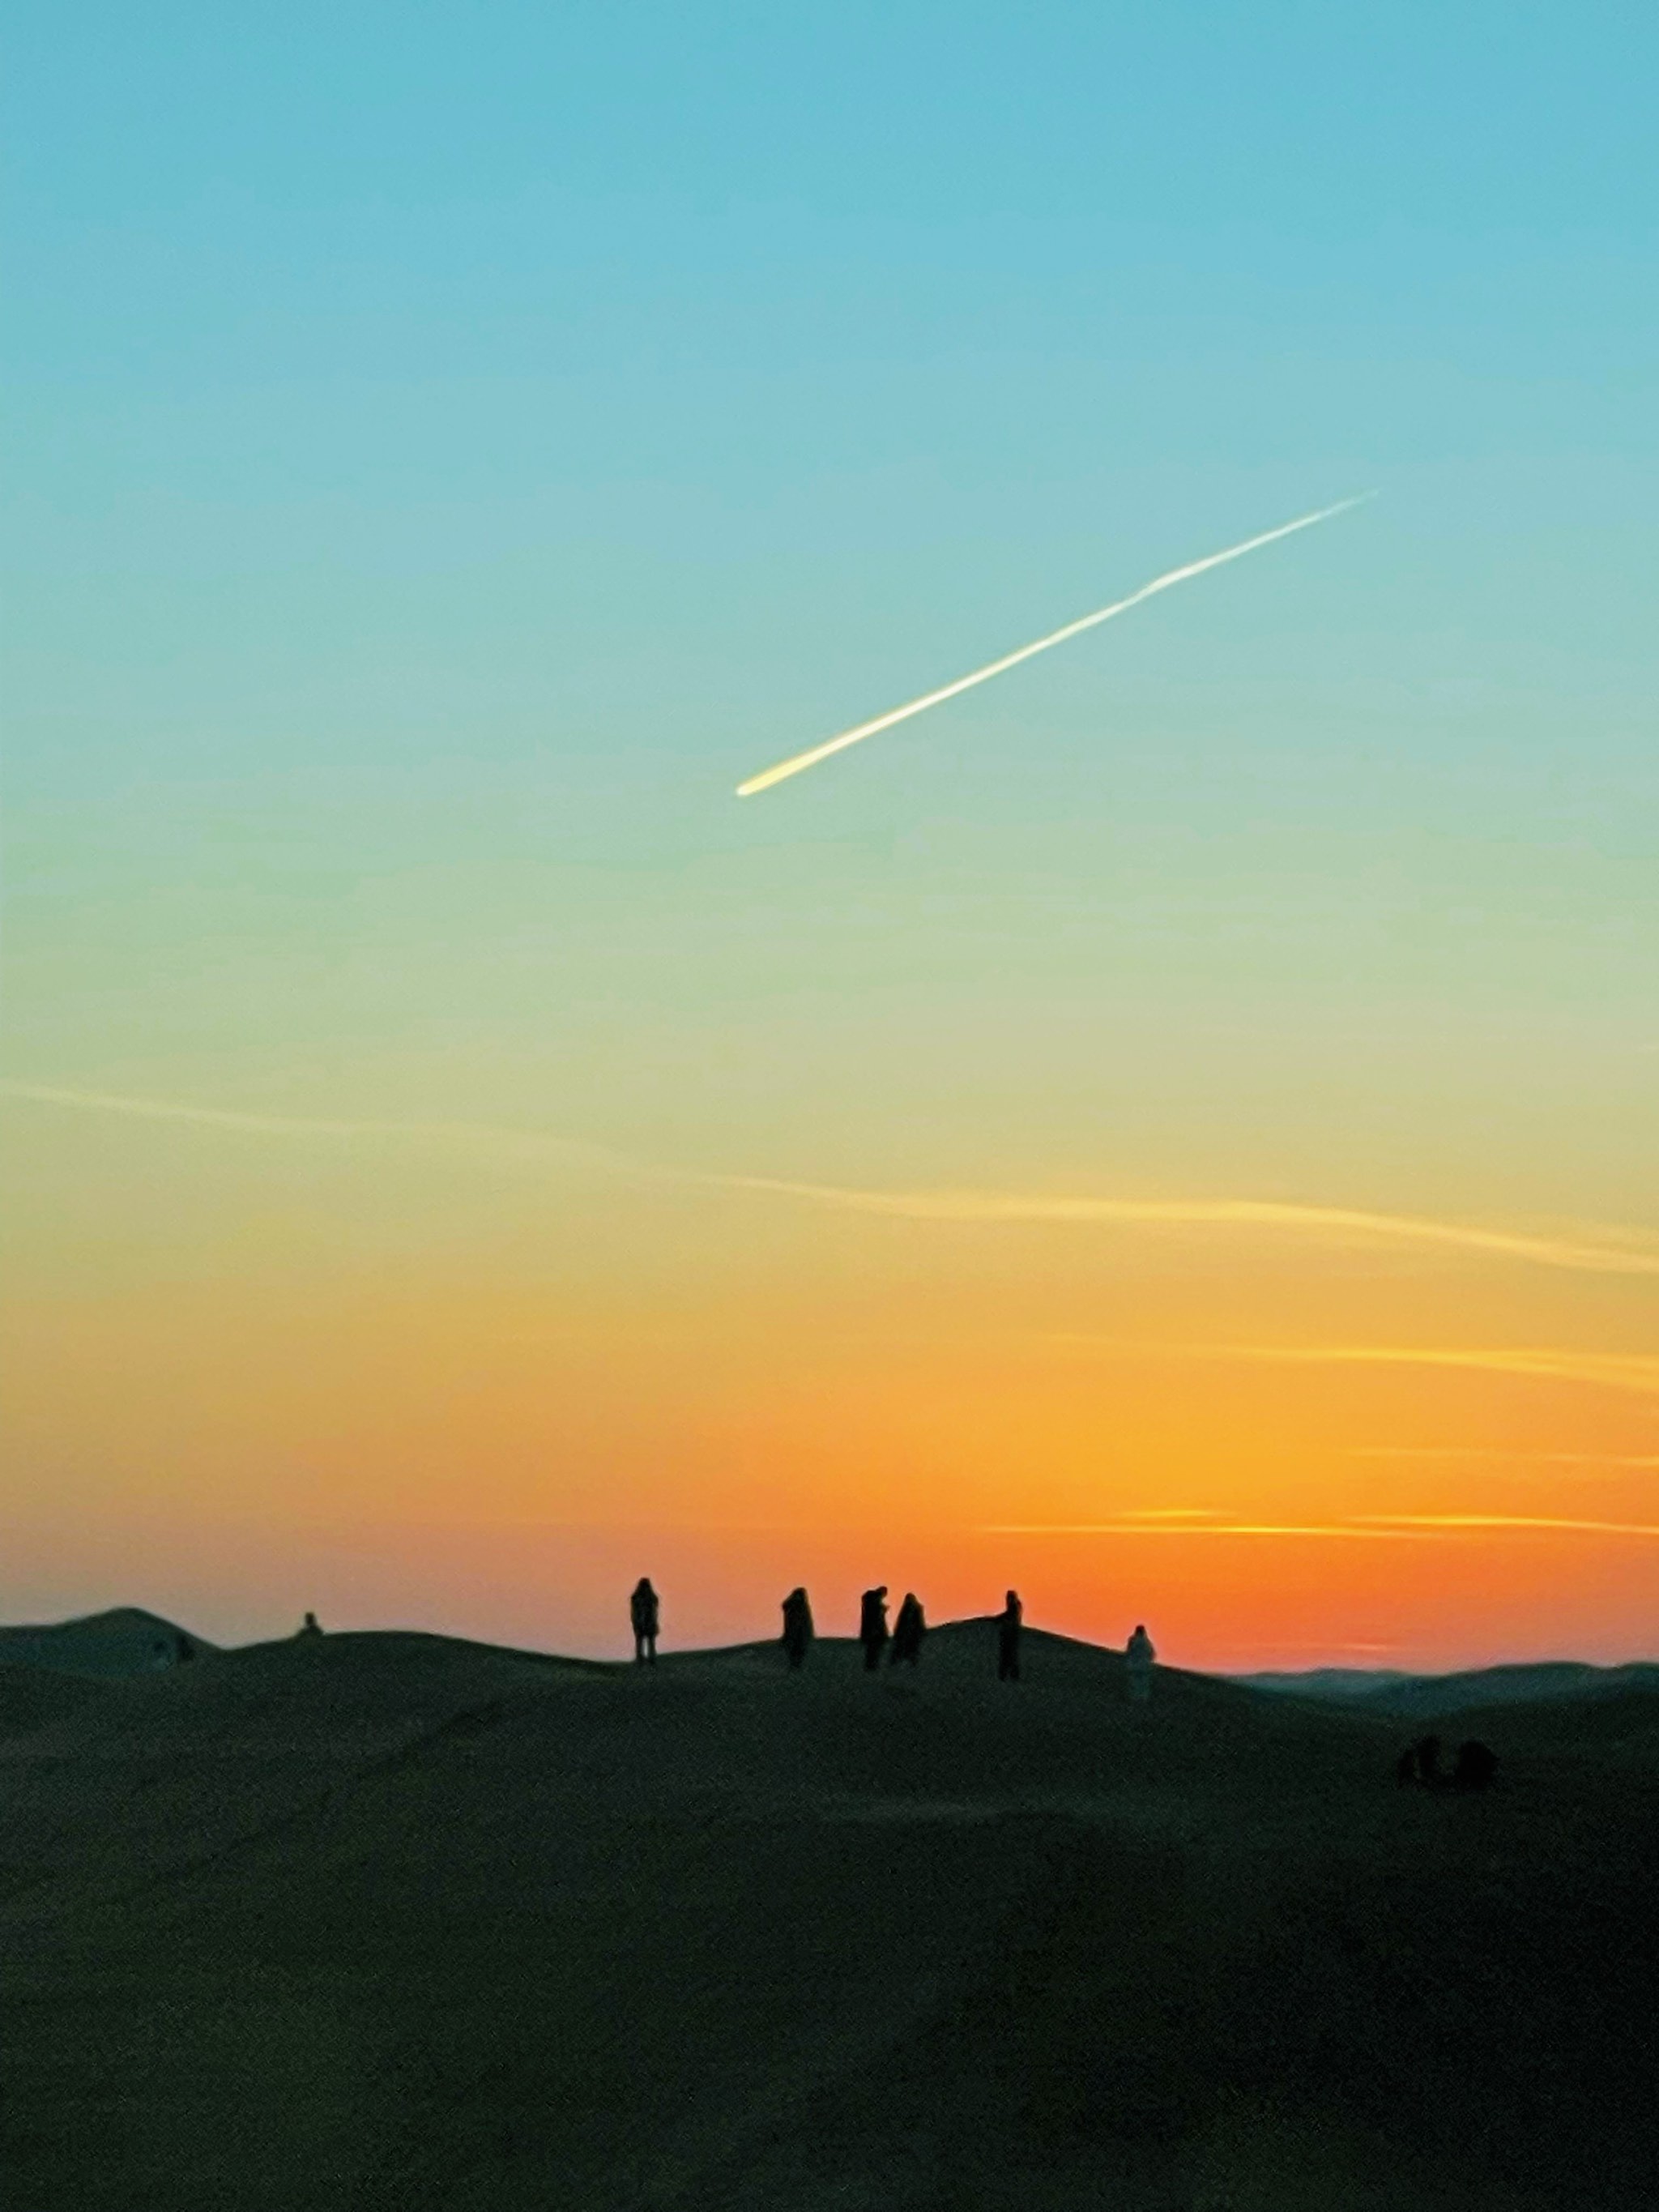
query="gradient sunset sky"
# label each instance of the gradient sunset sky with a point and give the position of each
(1173, 1129)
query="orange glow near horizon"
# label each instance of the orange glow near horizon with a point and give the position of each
(1273, 1456)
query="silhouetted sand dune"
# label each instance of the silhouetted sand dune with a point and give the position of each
(390, 1921)
(124, 1641)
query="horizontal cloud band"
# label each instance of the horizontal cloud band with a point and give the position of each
(1611, 1371)
(1381, 1528)
(1348, 1225)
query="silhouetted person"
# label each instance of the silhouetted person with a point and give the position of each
(1405, 1767)
(1139, 1656)
(1428, 1761)
(643, 1612)
(797, 1627)
(872, 1626)
(907, 1631)
(312, 1626)
(1008, 1626)
(184, 1651)
(1475, 1765)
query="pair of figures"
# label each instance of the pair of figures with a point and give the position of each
(1475, 1767)
(908, 1630)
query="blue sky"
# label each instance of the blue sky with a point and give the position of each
(665, 371)
(448, 448)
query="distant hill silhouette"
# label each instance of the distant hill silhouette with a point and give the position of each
(124, 1641)
(415, 1924)
(1343, 1682)
(1429, 1697)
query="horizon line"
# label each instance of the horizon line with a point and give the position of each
(212, 1648)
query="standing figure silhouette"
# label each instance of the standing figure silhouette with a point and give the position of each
(907, 1631)
(643, 1612)
(1008, 1626)
(1140, 1654)
(797, 1627)
(872, 1626)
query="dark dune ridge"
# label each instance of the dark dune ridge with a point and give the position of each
(126, 1641)
(392, 1921)
(1431, 1696)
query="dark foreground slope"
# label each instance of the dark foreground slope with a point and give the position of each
(390, 1922)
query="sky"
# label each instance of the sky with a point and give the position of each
(1171, 1129)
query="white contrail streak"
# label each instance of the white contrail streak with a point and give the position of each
(768, 777)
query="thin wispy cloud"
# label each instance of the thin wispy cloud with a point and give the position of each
(301, 1125)
(1610, 1370)
(798, 761)
(1350, 1530)
(1613, 1370)
(1503, 1521)
(1358, 1528)
(1499, 1453)
(1321, 1644)
(1343, 1227)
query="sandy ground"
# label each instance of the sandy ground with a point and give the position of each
(388, 1920)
